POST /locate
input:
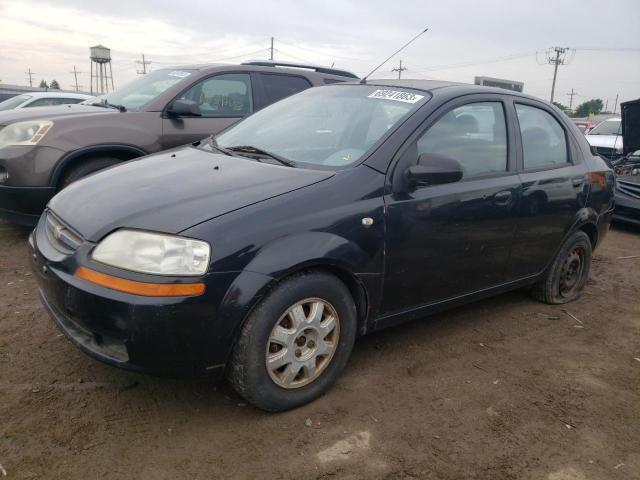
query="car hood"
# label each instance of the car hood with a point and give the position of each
(631, 126)
(51, 113)
(608, 141)
(172, 191)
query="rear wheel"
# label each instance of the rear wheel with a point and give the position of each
(295, 343)
(86, 167)
(567, 276)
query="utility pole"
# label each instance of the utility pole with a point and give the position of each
(606, 106)
(144, 64)
(75, 75)
(571, 95)
(556, 62)
(271, 50)
(400, 69)
(31, 74)
(615, 105)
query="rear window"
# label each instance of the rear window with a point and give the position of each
(277, 87)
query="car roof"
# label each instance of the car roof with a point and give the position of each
(57, 95)
(437, 85)
(301, 69)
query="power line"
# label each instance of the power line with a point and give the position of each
(31, 74)
(571, 95)
(75, 75)
(399, 69)
(330, 55)
(502, 58)
(144, 64)
(559, 59)
(291, 56)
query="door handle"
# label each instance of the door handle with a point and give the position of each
(502, 198)
(577, 181)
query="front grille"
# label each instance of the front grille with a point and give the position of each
(60, 235)
(628, 188)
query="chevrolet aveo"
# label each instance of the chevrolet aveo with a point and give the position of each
(261, 254)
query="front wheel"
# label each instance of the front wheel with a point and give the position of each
(565, 280)
(295, 343)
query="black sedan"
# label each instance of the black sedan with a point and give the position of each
(261, 254)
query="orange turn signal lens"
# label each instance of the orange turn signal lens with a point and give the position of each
(140, 288)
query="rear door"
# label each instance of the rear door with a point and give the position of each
(224, 99)
(448, 240)
(553, 182)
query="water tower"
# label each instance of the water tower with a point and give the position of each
(101, 58)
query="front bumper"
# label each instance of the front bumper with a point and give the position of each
(167, 336)
(23, 205)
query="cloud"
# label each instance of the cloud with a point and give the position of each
(466, 38)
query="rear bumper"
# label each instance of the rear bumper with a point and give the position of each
(23, 205)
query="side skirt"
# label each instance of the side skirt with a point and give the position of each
(435, 307)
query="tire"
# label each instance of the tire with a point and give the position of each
(274, 389)
(565, 279)
(86, 167)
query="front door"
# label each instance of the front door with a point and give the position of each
(224, 99)
(447, 240)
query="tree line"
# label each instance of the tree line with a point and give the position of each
(54, 85)
(594, 106)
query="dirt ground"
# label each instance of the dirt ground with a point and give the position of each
(503, 389)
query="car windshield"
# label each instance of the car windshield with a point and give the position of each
(136, 94)
(608, 127)
(331, 126)
(13, 102)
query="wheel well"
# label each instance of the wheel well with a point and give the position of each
(122, 155)
(592, 232)
(357, 290)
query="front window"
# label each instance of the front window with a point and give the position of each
(475, 135)
(608, 127)
(227, 95)
(13, 102)
(328, 126)
(136, 94)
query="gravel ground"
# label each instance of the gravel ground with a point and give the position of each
(506, 388)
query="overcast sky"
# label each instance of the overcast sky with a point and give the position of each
(498, 38)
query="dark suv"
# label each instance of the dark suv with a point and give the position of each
(42, 150)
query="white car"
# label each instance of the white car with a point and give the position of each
(42, 99)
(606, 137)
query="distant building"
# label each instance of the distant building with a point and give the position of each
(500, 83)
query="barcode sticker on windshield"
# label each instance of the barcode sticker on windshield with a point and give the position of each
(179, 74)
(396, 95)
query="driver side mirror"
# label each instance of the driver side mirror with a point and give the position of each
(184, 108)
(434, 169)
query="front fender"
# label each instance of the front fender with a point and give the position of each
(281, 258)
(287, 254)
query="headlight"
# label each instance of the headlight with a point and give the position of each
(24, 133)
(154, 253)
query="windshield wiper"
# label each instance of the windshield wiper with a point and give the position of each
(105, 104)
(213, 143)
(258, 151)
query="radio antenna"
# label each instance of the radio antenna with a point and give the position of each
(364, 80)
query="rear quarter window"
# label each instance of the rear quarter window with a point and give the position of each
(277, 87)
